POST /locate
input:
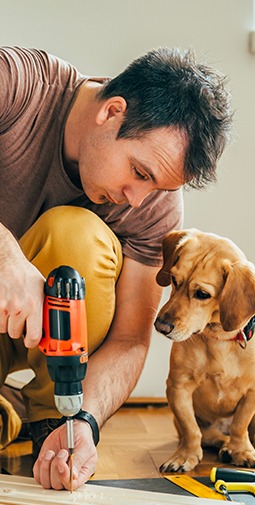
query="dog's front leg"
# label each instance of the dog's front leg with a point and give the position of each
(239, 450)
(189, 452)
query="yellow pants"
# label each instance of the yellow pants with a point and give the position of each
(62, 236)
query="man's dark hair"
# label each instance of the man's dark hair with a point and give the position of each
(167, 87)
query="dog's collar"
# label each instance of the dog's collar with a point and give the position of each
(243, 336)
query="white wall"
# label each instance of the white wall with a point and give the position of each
(102, 36)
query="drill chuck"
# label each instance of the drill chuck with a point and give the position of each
(67, 372)
(68, 406)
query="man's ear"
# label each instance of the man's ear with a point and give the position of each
(115, 106)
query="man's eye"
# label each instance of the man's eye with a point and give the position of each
(139, 175)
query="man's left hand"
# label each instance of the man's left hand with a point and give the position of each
(52, 470)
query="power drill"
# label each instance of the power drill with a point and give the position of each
(65, 343)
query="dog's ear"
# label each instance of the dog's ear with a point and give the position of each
(237, 302)
(170, 244)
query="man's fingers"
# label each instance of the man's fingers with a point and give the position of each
(19, 324)
(22, 318)
(21, 300)
(3, 323)
(4, 312)
(33, 332)
(15, 327)
(42, 471)
(60, 471)
(53, 471)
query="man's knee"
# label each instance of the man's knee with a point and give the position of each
(71, 234)
(79, 238)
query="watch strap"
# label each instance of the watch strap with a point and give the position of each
(82, 415)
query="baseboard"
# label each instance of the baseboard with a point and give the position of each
(145, 400)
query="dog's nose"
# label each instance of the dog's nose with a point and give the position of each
(163, 326)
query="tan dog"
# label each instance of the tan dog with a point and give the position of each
(209, 317)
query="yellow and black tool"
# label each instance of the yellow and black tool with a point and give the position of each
(236, 487)
(231, 475)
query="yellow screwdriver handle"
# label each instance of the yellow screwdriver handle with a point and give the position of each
(243, 487)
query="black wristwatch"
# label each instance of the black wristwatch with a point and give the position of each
(86, 416)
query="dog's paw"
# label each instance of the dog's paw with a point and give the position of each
(182, 462)
(240, 458)
(225, 455)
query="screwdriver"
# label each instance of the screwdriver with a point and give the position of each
(243, 487)
(231, 475)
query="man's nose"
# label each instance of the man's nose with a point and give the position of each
(136, 196)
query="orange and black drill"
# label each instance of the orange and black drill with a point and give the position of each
(65, 343)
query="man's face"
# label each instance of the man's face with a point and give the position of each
(127, 170)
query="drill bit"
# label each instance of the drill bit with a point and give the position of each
(70, 445)
(71, 470)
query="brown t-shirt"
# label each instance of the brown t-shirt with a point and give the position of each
(37, 91)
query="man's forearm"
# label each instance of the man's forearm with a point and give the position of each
(113, 371)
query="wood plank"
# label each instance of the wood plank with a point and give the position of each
(25, 491)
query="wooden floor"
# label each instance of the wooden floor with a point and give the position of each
(134, 443)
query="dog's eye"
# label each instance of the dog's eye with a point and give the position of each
(201, 295)
(173, 281)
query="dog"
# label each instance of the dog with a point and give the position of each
(210, 319)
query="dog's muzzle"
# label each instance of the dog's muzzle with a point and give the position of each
(163, 327)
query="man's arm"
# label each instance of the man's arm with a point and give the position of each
(113, 371)
(120, 360)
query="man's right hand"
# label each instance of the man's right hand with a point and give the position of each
(21, 293)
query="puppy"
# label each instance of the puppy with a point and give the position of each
(209, 318)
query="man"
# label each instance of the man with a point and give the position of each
(91, 173)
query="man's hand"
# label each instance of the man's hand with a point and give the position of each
(52, 470)
(21, 293)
